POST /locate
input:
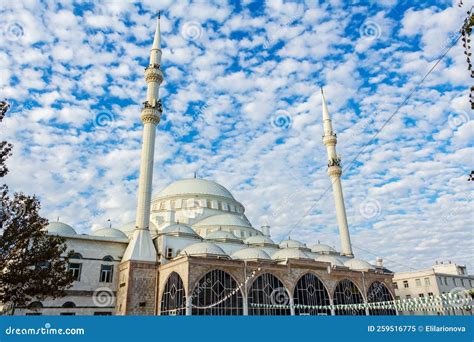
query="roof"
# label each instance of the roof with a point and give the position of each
(259, 240)
(203, 249)
(358, 264)
(331, 259)
(224, 220)
(179, 229)
(290, 253)
(321, 248)
(251, 253)
(221, 235)
(292, 244)
(194, 186)
(109, 232)
(60, 228)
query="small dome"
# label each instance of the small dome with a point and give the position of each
(224, 220)
(109, 232)
(331, 259)
(293, 244)
(59, 228)
(179, 229)
(289, 253)
(259, 240)
(203, 249)
(321, 248)
(251, 253)
(221, 235)
(358, 265)
(194, 186)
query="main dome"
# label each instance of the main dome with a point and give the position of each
(194, 186)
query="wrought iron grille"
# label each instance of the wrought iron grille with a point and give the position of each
(173, 299)
(268, 297)
(347, 293)
(310, 292)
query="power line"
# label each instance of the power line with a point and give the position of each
(379, 130)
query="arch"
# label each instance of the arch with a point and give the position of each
(173, 298)
(347, 293)
(378, 292)
(268, 297)
(108, 258)
(35, 305)
(69, 305)
(310, 291)
(76, 256)
(217, 294)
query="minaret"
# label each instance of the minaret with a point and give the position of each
(141, 246)
(335, 172)
(138, 270)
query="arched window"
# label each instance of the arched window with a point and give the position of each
(35, 305)
(173, 299)
(347, 293)
(268, 297)
(378, 292)
(217, 294)
(108, 258)
(69, 305)
(76, 256)
(310, 291)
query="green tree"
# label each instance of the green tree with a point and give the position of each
(33, 264)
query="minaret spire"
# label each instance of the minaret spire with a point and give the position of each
(335, 172)
(141, 246)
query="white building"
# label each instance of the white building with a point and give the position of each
(442, 279)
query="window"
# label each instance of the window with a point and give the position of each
(445, 280)
(67, 314)
(108, 258)
(427, 282)
(173, 298)
(169, 253)
(462, 282)
(310, 293)
(470, 283)
(421, 295)
(105, 313)
(33, 314)
(454, 282)
(75, 269)
(219, 205)
(378, 292)
(408, 297)
(106, 272)
(395, 285)
(418, 282)
(69, 305)
(347, 293)
(172, 204)
(430, 294)
(397, 297)
(208, 203)
(76, 256)
(162, 205)
(405, 284)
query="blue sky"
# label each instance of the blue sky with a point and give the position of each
(242, 107)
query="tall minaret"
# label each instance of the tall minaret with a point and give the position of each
(141, 246)
(335, 172)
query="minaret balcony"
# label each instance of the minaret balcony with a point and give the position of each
(330, 139)
(153, 74)
(334, 171)
(151, 113)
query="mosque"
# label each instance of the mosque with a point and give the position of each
(192, 251)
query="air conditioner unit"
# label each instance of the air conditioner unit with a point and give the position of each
(169, 253)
